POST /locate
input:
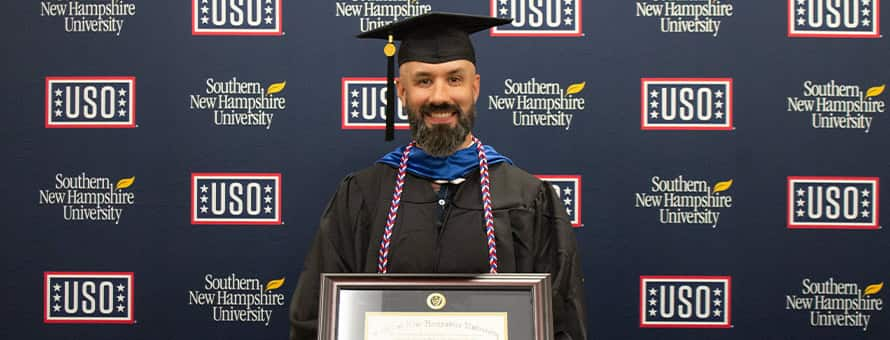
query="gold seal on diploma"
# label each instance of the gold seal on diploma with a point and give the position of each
(435, 301)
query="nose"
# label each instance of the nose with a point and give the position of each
(439, 95)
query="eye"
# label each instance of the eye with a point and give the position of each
(455, 80)
(424, 82)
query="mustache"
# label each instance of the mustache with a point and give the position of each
(430, 108)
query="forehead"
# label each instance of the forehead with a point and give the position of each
(413, 68)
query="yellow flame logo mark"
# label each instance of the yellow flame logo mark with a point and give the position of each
(722, 186)
(275, 284)
(875, 91)
(873, 289)
(125, 183)
(275, 88)
(575, 88)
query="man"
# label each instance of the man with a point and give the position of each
(444, 203)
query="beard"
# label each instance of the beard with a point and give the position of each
(440, 140)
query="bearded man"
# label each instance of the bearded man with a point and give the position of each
(426, 201)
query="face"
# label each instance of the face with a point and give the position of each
(440, 100)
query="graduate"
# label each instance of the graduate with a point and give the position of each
(445, 202)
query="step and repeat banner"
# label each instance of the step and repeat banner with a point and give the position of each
(166, 162)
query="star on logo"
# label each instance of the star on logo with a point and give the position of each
(568, 2)
(865, 193)
(267, 209)
(717, 313)
(268, 20)
(120, 308)
(122, 102)
(503, 11)
(801, 11)
(203, 209)
(354, 103)
(57, 287)
(354, 114)
(204, 20)
(654, 94)
(56, 297)
(503, 2)
(866, 22)
(652, 312)
(57, 308)
(268, 10)
(120, 287)
(866, 12)
(800, 22)
(58, 113)
(567, 201)
(800, 192)
(717, 292)
(654, 104)
(717, 302)
(120, 298)
(801, 2)
(652, 302)
(121, 112)
(58, 102)
(718, 94)
(865, 213)
(267, 188)
(204, 188)
(654, 114)
(203, 198)
(354, 93)
(800, 213)
(718, 114)
(718, 104)
(567, 21)
(58, 93)
(800, 203)
(866, 203)
(204, 9)
(567, 191)
(652, 291)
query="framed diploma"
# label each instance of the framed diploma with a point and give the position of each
(435, 307)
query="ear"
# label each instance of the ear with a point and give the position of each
(476, 88)
(400, 90)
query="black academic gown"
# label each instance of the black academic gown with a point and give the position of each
(532, 231)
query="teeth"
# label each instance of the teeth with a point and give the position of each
(441, 115)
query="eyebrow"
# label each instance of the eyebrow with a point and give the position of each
(455, 71)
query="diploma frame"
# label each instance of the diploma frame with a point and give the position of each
(536, 285)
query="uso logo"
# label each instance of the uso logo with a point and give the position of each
(834, 19)
(364, 105)
(685, 301)
(832, 202)
(236, 17)
(236, 198)
(90, 102)
(538, 18)
(568, 188)
(686, 104)
(88, 297)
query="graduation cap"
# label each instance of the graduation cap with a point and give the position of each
(430, 38)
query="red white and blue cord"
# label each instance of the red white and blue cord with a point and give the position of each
(383, 254)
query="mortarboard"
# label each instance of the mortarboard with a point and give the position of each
(430, 38)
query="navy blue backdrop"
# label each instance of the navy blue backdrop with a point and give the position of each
(721, 159)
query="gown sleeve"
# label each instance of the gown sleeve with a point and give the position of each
(558, 254)
(334, 250)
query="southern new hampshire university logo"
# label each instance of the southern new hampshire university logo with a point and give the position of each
(685, 301)
(242, 17)
(834, 19)
(88, 297)
(538, 18)
(90, 102)
(832, 202)
(236, 198)
(686, 104)
(568, 188)
(363, 102)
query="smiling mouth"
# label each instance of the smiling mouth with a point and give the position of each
(440, 117)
